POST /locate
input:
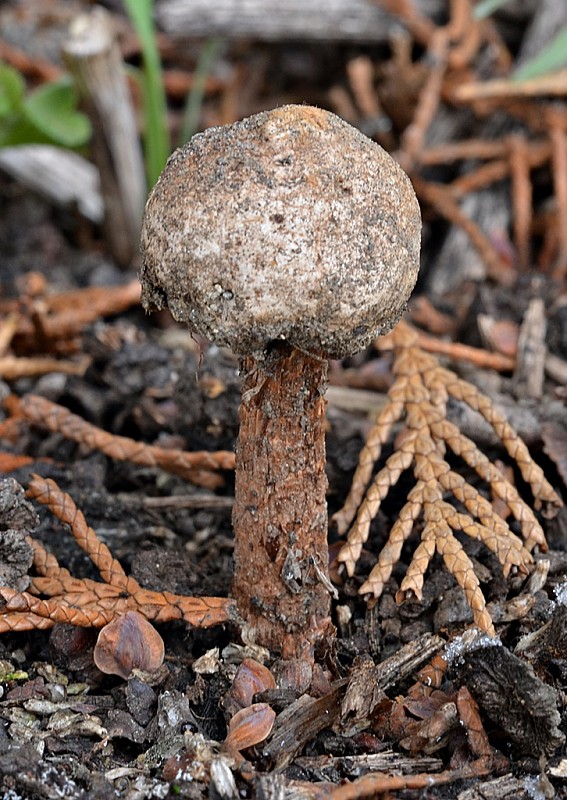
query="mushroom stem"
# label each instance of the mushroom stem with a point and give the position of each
(280, 512)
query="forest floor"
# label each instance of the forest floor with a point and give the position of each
(490, 172)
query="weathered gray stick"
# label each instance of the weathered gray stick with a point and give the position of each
(65, 178)
(300, 20)
(93, 57)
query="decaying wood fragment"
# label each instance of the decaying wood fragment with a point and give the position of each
(368, 683)
(300, 722)
(530, 358)
(513, 697)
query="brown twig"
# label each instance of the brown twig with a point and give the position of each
(198, 467)
(449, 152)
(420, 27)
(521, 191)
(556, 119)
(12, 368)
(8, 328)
(33, 66)
(479, 178)
(440, 197)
(428, 103)
(63, 316)
(377, 784)
(86, 602)
(464, 33)
(463, 352)
(553, 83)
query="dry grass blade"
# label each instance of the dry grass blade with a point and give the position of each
(90, 603)
(420, 393)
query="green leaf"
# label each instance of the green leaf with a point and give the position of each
(16, 129)
(552, 57)
(12, 88)
(52, 109)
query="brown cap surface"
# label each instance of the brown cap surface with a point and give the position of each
(290, 224)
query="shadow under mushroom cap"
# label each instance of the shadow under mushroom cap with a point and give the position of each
(288, 225)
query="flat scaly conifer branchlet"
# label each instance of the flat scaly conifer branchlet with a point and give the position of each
(419, 395)
(56, 596)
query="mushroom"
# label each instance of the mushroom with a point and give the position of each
(291, 238)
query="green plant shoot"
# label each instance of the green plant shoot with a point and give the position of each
(156, 137)
(552, 57)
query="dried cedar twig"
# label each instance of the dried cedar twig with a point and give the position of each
(552, 83)
(440, 197)
(62, 506)
(557, 122)
(13, 368)
(375, 784)
(421, 390)
(521, 192)
(198, 467)
(459, 351)
(54, 320)
(90, 603)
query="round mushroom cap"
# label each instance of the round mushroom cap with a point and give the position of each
(289, 225)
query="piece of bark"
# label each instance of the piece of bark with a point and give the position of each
(530, 358)
(299, 20)
(16, 558)
(18, 520)
(300, 722)
(352, 766)
(504, 788)
(94, 59)
(514, 698)
(546, 648)
(63, 177)
(368, 683)
(16, 512)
